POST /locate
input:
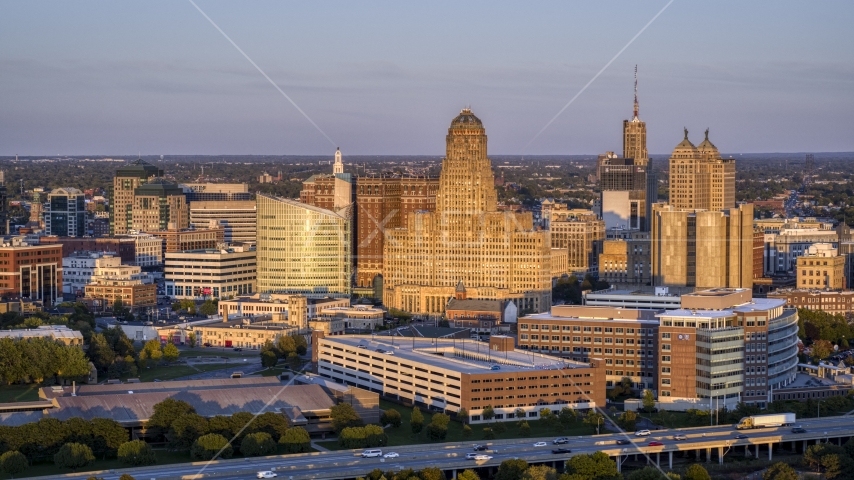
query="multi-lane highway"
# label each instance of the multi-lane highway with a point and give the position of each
(449, 456)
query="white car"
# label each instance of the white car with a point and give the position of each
(391, 455)
(642, 433)
(266, 474)
(483, 457)
(540, 444)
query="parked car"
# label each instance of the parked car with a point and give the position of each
(642, 433)
(680, 437)
(655, 444)
(561, 450)
(208, 345)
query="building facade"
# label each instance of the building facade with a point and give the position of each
(237, 218)
(127, 283)
(241, 333)
(66, 213)
(581, 236)
(498, 255)
(121, 196)
(626, 258)
(702, 248)
(179, 240)
(304, 249)
(216, 192)
(700, 178)
(217, 273)
(79, 267)
(275, 304)
(821, 267)
(832, 302)
(31, 271)
(159, 205)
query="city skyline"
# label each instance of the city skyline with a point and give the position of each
(378, 79)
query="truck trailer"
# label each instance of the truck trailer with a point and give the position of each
(769, 420)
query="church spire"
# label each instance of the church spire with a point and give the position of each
(338, 167)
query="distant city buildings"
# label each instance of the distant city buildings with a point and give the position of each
(30, 271)
(111, 282)
(237, 218)
(65, 215)
(121, 196)
(210, 273)
(821, 267)
(700, 178)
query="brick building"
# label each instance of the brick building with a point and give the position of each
(31, 271)
(178, 240)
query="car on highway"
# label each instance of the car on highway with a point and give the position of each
(238, 349)
(540, 444)
(483, 457)
(208, 345)
(480, 448)
(655, 444)
(471, 456)
(741, 436)
(560, 441)
(798, 429)
(623, 441)
(374, 452)
(680, 437)
(391, 455)
(643, 433)
(557, 451)
(266, 474)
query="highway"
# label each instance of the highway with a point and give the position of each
(348, 463)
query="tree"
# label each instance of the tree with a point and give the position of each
(108, 435)
(100, 353)
(438, 427)
(468, 475)
(488, 413)
(628, 421)
(551, 421)
(269, 358)
(524, 429)
(512, 469)
(208, 308)
(647, 473)
(294, 361)
(431, 473)
(13, 462)
(343, 416)
(780, 471)
(74, 456)
(136, 453)
(567, 417)
(416, 421)
(648, 401)
(467, 432)
(273, 423)
(594, 419)
(821, 349)
(697, 472)
(296, 440)
(126, 476)
(540, 472)
(488, 433)
(208, 446)
(119, 308)
(170, 352)
(191, 340)
(499, 427)
(164, 414)
(592, 466)
(391, 417)
(462, 415)
(257, 444)
(186, 429)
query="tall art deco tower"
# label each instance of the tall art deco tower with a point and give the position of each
(466, 243)
(634, 134)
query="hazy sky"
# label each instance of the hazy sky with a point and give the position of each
(387, 77)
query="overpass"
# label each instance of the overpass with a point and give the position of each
(704, 443)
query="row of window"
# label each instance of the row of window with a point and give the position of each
(578, 328)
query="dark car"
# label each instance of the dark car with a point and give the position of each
(480, 448)
(741, 436)
(238, 349)
(797, 429)
(208, 345)
(623, 441)
(561, 450)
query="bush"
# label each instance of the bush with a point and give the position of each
(126, 476)
(257, 444)
(488, 434)
(74, 456)
(697, 472)
(343, 416)
(391, 417)
(524, 429)
(207, 446)
(362, 437)
(296, 440)
(467, 432)
(416, 421)
(136, 453)
(13, 463)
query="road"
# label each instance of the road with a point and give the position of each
(348, 463)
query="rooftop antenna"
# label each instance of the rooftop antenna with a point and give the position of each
(636, 91)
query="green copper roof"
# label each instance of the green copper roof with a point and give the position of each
(139, 168)
(159, 187)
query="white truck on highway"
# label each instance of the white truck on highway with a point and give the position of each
(769, 420)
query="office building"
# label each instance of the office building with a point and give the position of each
(634, 134)
(78, 268)
(124, 247)
(702, 249)
(658, 299)
(626, 258)
(480, 316)
(277, 305)
(157, 205)
(498, 255)
(179, 240)
(218, 273)
(111, 282)
(580, 235)
(450, 374)
(724, 347)
(237, 218)
(821, 267)
(148, 250)
(59, 333)
(700, 178)
(303, 249)
(31, 271)
(625, 339)
(242, 333)
(4, 207)
(625, 196)
(782, 249)
(66, 213)
(121, 196)
(216, 192)
(356, 317)
(829, 301)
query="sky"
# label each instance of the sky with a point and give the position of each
(386, 78)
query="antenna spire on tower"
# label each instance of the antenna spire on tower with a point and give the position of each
(636, 91)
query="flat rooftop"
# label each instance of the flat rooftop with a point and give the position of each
(577, 313)
(460, 355)
(756, 305)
